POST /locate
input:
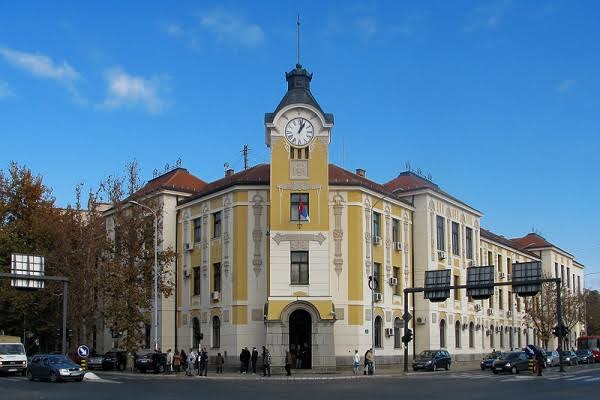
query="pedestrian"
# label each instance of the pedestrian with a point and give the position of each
(203, 362)
(191, 360)
(219, 363)
(266, 356)
(169, 361)
(242, 355)
(176, 361)
(183, 358)
(299, 355)
(369, 361)
(288, 363)
(539, 359)
(356, 362)
(366, 367)
(197, 362)
(254, 358)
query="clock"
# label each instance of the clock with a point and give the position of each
(299, 131)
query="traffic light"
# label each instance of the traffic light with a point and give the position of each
(408, 337)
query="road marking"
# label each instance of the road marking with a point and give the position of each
(560, 377)
(593, 380)
(578, 378)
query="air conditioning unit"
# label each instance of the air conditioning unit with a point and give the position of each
(188, 246)
(470, 263)
(377, 297)
(215, 295)
(465, 326)
(497, 330)
(389, 332)
(477, 307)
(186, 273)
(508, 314)
(490, 311)
(376, 240)
(487, 333)
(441, 255)
(508, 277)
(398, 246)
(506, 329)
(501, 275)
(393, 281)
(421, 320)
(477, 327)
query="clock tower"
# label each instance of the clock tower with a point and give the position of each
(299, 313)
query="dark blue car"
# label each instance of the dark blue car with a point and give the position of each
(55, 368)
(488, 360)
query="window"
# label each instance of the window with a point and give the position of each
(217, 277)
(442, 333)
(469, 242)
(306, 153)
(295, 200)
(196, 281)
(299, 268)
(147, 335)
(500, 299)
(492, 333)
(377, 275)
(217, 224)
(455, 239)
(519, 337)
(499, 263)
(398, 325)
(396, 272)
(556, 270)
(508, 266)
(518, 304)
(568, 275)
(471, 335)
(501, 336)
(510, 300)
(378, 328)
(562, 274)
(196, 332)
(491, 301)
(395, 230)
(456, 291)
(511, 338)
(578, 284)
(216, 323)
(457, 334)
(197, 230)
(441, 243)
(376, 224)
(490, 258)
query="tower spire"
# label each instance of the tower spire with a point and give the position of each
(298, 65)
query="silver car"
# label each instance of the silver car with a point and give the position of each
(552, 358)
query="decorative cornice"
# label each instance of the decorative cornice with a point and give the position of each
(297, 237)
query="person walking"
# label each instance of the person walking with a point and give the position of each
(288, 363)
(356, 362)
(539, 359)
(191, 360)
(254, 359)
(266, 356)
(369, 361)
(219, 363)
(169, 361)
(203, 362)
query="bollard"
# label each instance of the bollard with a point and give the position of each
(530, 366)
(83, 364)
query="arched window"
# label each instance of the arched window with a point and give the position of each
(511, 337)
(492, 336)
(442, 333)
(196, 336)
(471, 335)
(501, 336)
(397, 336)
(378, 328)
(457, 334)
(216, 322)
(526, 336)
(519, 338)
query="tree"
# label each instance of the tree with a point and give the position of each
(128, 268)
(592, 312)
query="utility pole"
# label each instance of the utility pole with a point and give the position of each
(245, 151)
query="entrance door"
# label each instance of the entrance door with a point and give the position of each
(300, 339)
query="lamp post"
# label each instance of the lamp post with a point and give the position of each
(155, 269)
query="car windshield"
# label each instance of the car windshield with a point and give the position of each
(59, 360)
(509, 356)
(12, 349)
(427, 354)
(582, 352)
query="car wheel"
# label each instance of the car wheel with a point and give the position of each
(447, 366)
(495, 372)
(53, 377)
(29, 375)
(514, 370)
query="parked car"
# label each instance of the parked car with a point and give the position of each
(585, 356)
(95, 362)
(149, 360)
(114, 359)
(488, 360)
(512, 362)
(569, 357)
(432, 360)
(55, 368)
(552, 358)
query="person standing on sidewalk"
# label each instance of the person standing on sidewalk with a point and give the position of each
(356, 362)
(203, 362)
(169, 361)
(266, 356)
(191, 360)
(219, 363)
(288, 363)
(254, 359)
(369, 361)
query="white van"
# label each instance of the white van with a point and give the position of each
(12, 355)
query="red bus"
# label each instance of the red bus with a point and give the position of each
(590, 343)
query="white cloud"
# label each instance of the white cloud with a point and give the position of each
(40, 65)
(488, 16)
(126, 90)
(566, 85)
(173, 30)
(232, 29)
(5, 90)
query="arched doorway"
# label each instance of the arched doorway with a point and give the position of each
(196, 335)
(457, 334)
(443, 333)
(301, 339)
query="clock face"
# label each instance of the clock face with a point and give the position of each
(299, 131)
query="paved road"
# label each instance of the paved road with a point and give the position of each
(577, 383)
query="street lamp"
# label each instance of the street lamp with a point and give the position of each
(155, 269)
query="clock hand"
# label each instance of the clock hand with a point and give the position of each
(301, 126)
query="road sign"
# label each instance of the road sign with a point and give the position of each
(525, 278)
(407, 316)
(480, 276)
(437, 285)
(83, 351)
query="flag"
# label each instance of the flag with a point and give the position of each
(303, 212)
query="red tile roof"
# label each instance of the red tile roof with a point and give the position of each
(531, 241)
(507, 242)
(179, 180)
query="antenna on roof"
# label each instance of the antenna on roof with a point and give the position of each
(178, 163)
(155, 173)
(407, 166)
(167, 167)
(298, 32)
(245, 151)
(226, 166)
(429, 177)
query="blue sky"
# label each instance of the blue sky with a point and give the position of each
(496, 99)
